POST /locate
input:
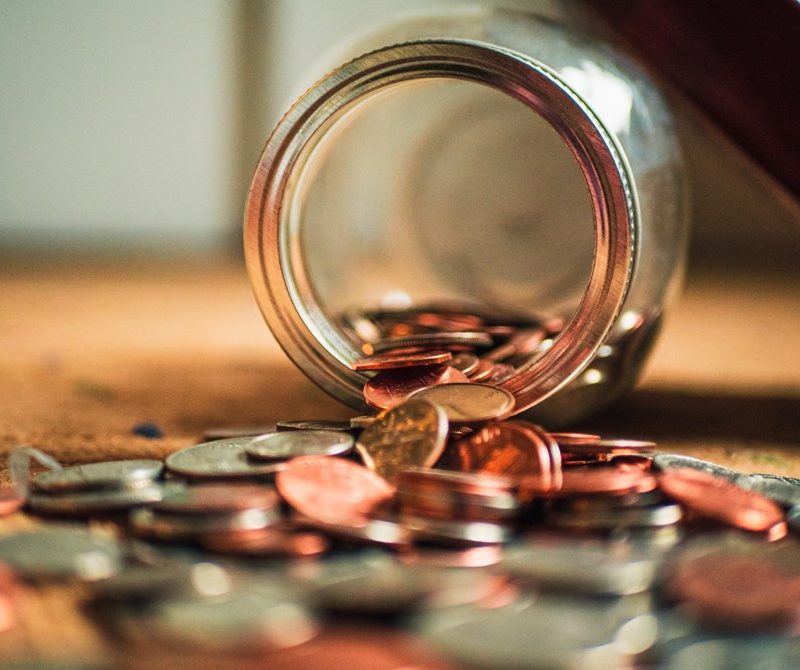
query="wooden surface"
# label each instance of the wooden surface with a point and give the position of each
(89, 351)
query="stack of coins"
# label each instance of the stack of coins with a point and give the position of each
(92, 488)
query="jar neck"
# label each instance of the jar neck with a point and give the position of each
(272, 249)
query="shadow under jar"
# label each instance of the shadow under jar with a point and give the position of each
(490, 161)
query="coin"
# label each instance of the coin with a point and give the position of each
(455, 532)
(592, 568)
(466, 362)
(60, 553)
(380, 532)
(469, 402)
(390, 388)
(391, 361)
(509, 448)
(606, 480)
(332, 490)
(411, 434)
(94, 502)
(361, 422)
(221, 459)
(227, 432)
(483, 371)
(668, 462)
(429, 341)
(11, 500)
(148, 522)
(783, 490)
(607, 447)
(267, 542)
(653, 516)
(718, 498)
(293, 443)
(314, 424)
(106, 474)
(566, 439)
(218, 499)
(523, 343)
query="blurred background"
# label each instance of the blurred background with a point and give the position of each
(134, 127)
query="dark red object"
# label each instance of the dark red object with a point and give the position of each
(739, 60)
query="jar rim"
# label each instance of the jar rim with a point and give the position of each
(271, 248)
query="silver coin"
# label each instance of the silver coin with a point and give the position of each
(548, 634)
(227, 432)
(593, 568)
(103, 475)
(315, 424)
(256, 619)
(454, 532)
(94, 502)
(138, 584)
(677, 461)
(61, 553)
(221, 459)
(657, 516)
(148, 522)
(293, 443)
(469, 402)
(783, 490)
(361, 422)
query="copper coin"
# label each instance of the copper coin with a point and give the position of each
(720, 499)
(522, 343)
(738, 591)
(10, 500)
(566, 439)
(483, 371)
(267, 542)
(466, 362)
(391, 361)
(432, 340)
(510, 449)
(434, 479)
(468, 402)
(217, 499)
(332, 490)
(608, 447)
(606, 480)
(411, 434)
(389, 388)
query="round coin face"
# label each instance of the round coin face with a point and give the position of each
(411, 434)
(294, 443)
(718, 498)
(221, 459)
(469, 402)
(390, 388)
(61, 553)
(332, 490)
(107, 474)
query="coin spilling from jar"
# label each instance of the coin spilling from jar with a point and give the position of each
(490, 542)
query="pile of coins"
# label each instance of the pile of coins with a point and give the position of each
(492, 543)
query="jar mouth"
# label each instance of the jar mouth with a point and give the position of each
(274, 256)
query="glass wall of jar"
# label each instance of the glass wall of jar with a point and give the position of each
(483, 161)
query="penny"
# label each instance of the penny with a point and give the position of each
(567, 439)
(429, 341)
(459, 482)
(290, 444)
(218, 499)
(716, 497)
(106, 474)
(314, 424)
(607, 480)
(332, 490)
(221, 459)
(604, 449)
(61, 553)
(466, 362)
(469, 402)
(390, 388)
(11, 500)
(94, 502)
(483, 371)
(443, 503)
(379, 532)
(389, 361)
(509, 448)
(411, 434)
(522, 343)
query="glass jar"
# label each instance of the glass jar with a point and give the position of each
(476, 155)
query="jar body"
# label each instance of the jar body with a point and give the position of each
(477, 155)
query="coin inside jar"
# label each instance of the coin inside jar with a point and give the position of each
(469, 402)
(389, 361)
(393, 387)
(293, 443)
